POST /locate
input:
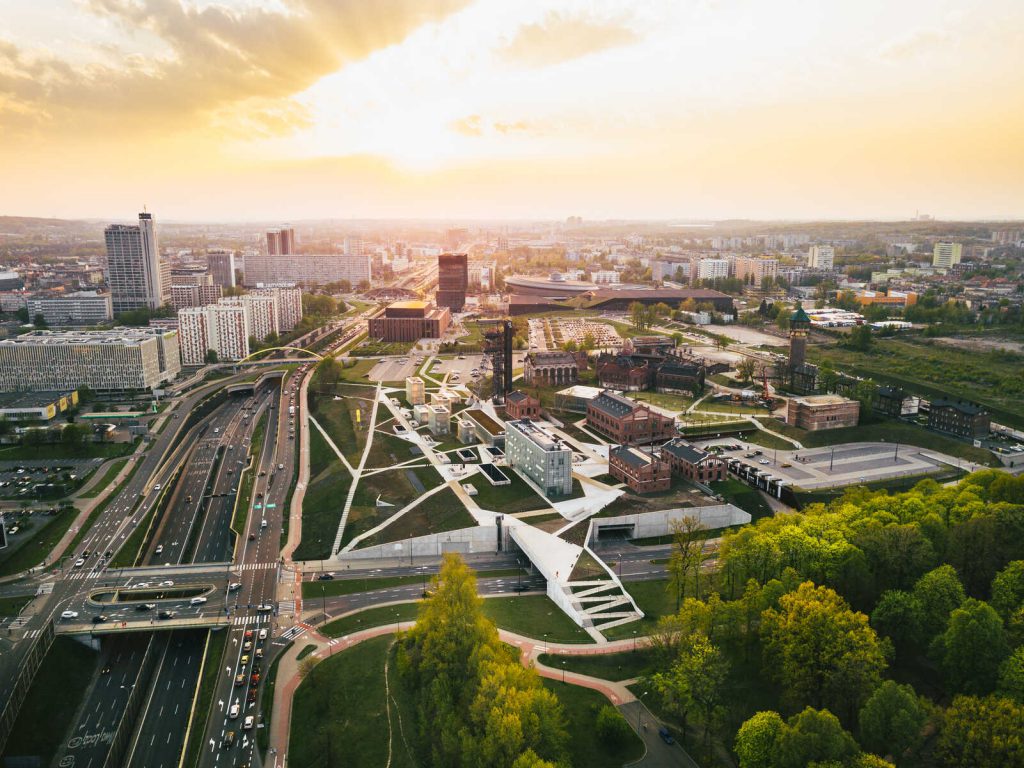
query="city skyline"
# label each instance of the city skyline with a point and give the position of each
(478, 110)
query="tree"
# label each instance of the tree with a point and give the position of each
(757, 740)
(982, 732)
(611, 727)
(695, 681)
(972, 648)
(745, 369)
(306, 666)
(688, 539)
(329, 371)
(74, 434)
(898, 617)
(589, 342)
(640, 316)
(1011, 676)
(814, 736)
(820, 650)
(569, 346)
(892, 719)
(39, 321)
(211, 357)
(22, 314)
(1008, 588)
(937, 593)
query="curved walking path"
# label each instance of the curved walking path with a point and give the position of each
(288, 680)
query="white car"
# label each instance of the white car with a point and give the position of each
(167, 583)
(764, 461)
(140, 585)
(156, 487)
(79, 562)
(248, 722)
(69, 615)
(233, 712)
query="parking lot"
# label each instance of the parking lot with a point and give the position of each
(841, 465)
(16, 476)
(395, 368)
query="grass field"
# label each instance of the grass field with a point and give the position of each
(350, 586)
(321, 512)
(104, 481)
(586, 750)
(338, 417)
(243, 501)
(50, 705)
(40, 545)
(653, 599)
(267, 700)
(207, 685)
(765, 440)
(607, 666)
(890, 432)
(397, 488)
(743, 496)
(440, 512)
(62, 451)
(371, 617)
(518, 496)
(11, 606)
(339, 713)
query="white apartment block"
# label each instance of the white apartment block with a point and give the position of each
(439, 420)
(821, 257)
(755, 269)
(415, 390)
(261, 311)
(289, 304)
(138, 278)
(80, 308)
(712, 269)
(604, 277)
(539, 455)
(183, 296)
(307, 269)
(222, 328)
(945, 255)
(119, 359)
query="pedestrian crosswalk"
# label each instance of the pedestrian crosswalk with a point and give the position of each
(286, 606)
(80, 575)
(243, 621)
(45, 588)
(20, 622)
(256, 566)
(292, 632)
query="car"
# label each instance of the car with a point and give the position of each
(763, 461)
(259, 654)
(252, 537)
(264, 608)
(248, 722)
(108, 553)
(159, 549)
(145, 606)
(233, 711)
(244, 662)
(86, 553)
(156, 487)
(105, 671)
(140, 585)
(101, 619)
(247, 646)
(249, 634)
(166, 583)
(234, 586)
(229, 740)
(79, 562)
(197, 601)
(251, 698)
(263, 634)
(255, 679)
(325, 577)
(263, 473)
(69, 615)
(166, 615)
(666, 735)
(239, 680)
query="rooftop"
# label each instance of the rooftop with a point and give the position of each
(30, 399)
(963, 406)
(128, 336)
(409, 304)
(683, 450)
(817, 400)
(632, 456)
(536, 435)
(485, 421)
(614, 404)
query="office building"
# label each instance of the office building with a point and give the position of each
(219, 328)
(289, 304)
(452, 280)
(80, 308)
(281, 242)
(626, 421)
(137, 277)
(10, 281)
(539, 455)
(640, 471)
(307, 270)
(959, 417)
(818, 412)
(36, 406)
(415, 390)
(945, 255)
(409, 321)
(821, 257)
(604, 277)
(221, 264)
(119, 359)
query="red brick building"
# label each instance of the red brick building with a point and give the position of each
(692, 463)
(626, 421)
(640, 471)
(519, 405)
(816, 412)
(409, 321)
(624, 372)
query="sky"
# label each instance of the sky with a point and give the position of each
(225, 110)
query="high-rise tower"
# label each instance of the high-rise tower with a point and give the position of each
(452, 280)
(137, 277)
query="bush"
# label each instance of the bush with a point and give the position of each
(612, 728)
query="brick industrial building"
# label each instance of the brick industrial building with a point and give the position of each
(551, 368)
(626, 421)
(959, 417)
(817, 412)
(409, 321)
(640, 471)
(692, 463)
(519, 405)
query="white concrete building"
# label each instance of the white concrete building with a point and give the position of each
(119, 359)
(80, 308)
(945, 255)
(821, 257)
(289, 303)
(539, 455)
(605, 277)
(439, 420)
(307, 269)
(222, 328)
(415, 390)
(262, 313)
(712, 269)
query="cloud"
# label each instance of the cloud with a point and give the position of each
(468, 126)
(917, 43)
(563, 37)
(215, 57)
(475, 125)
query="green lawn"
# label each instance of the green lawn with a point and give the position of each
(11, 606)
(436, 514)
(653, 599)
(104, 481)
(42, 542)
(581, 706)
(267, 700)
(340, 713)
(396, 488)
(322, 506)
(765, 440)
(607, 666)
(663, 400)
(388, 450)
(371, 617)
(743, 496)
(243, 501)
(890, 432)
(338, 417)
(321, 455)
(62, 451)
(518, 496)
(351, 586)
(357, 371)
(207, 685)
(57, 691)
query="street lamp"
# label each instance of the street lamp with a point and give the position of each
(634, 639)
(639, 709)
(545, 642)
(563, 670)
